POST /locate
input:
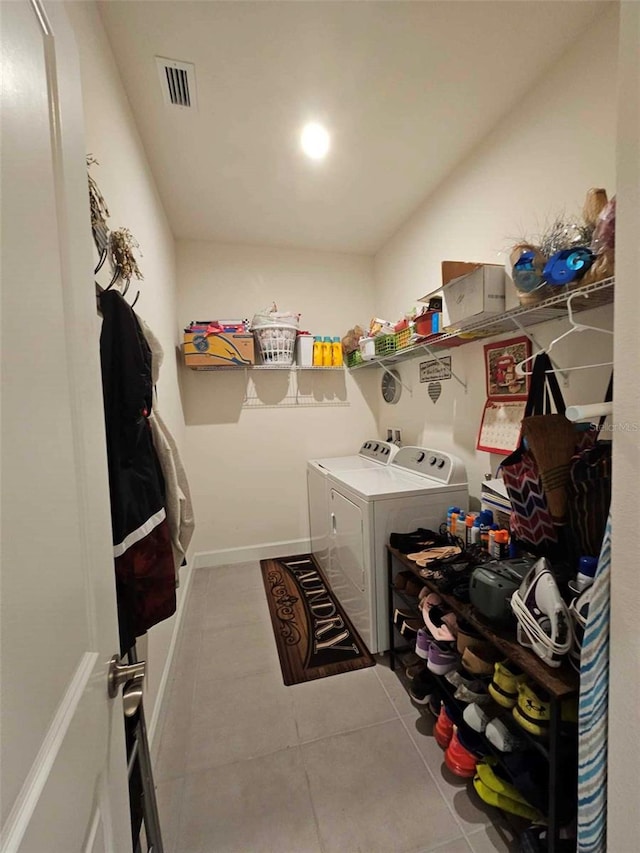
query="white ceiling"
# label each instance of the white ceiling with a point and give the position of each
(406, 89)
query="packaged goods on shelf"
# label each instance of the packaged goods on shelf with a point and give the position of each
(476, 295)
(205, 347)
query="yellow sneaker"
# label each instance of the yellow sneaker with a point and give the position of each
(505, 683)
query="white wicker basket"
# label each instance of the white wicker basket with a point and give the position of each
(276, 343)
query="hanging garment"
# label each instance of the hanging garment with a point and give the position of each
(594, 696)
(177, 494)
(145, 575)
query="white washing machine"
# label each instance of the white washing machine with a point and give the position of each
(365, 506)
(372, 454)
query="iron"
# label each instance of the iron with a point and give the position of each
(544, 624)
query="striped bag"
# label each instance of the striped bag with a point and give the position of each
(531, 521)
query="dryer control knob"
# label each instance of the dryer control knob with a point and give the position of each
(420, 456)
(441, 463)
(432, 460)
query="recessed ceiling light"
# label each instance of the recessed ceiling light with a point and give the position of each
(314, 140)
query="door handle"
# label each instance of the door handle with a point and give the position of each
(333, 523)
(132, 695)
(120, 674)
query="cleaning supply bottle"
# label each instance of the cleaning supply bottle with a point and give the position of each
(317, 352)
(486, 520)
(502, 544)
(460, 525)
(586, 571)
(326, 352)
(450, 512)
(468, 524)
(336, 353)
(475, 532)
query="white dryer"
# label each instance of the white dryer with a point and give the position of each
(365, 506)
(373, 454)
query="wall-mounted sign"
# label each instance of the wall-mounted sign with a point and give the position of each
(436, 369)
(434, 389)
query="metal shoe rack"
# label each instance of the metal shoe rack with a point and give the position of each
(560, 684)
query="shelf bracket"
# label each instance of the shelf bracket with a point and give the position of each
(430, 352)
(407, 388)
(536, 343)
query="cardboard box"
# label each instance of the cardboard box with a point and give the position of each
(511, 294)
(475, 296)
(456, 269)
(218, 350)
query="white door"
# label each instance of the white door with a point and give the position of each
(63, 762)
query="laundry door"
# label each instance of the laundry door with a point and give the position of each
(63, 758)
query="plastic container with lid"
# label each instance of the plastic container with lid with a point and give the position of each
(336, 353)
(586, 572)
(326, 352)
(304, 349)
(317, 352)
(368, 348)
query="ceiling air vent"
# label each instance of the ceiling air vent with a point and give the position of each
(178, 82)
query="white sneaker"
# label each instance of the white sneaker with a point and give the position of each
(476, 717)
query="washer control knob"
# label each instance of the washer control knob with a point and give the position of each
(420, 456)
(376, 446)
(441, 463)
(432, 460)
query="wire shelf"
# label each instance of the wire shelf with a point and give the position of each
(585, 298)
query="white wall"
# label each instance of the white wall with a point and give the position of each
(537, 163)
(127, 185)
(247, 466)
(624, 697)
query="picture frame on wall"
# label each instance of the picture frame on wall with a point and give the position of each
(501, 358)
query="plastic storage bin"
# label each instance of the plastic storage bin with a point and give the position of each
(304, 345)
(276, 343)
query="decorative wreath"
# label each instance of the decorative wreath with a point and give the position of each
(122, 243)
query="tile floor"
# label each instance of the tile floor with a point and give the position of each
(342, 765)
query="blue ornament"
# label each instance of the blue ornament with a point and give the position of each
(568, 265)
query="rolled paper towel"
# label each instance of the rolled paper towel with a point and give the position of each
(552, 441)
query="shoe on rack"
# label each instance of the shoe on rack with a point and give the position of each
(420, 538)
(439, 622)
(533, 709)
(415, 669)
(475, 691)
(486, 770)
(460, 676)
(481, 660)
(504, 803)
(400, 580)
(410, 628)
(408, 658)
(478, 717)
(399, 616)
(441, 659)
(423, 643)
(505, 682)
(502, 738)
(423, 687)
(443, 729)
(468, 637)
(459, 760)
(471, 740)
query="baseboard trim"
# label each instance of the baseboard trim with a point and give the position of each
(154, 727)
(264, 551)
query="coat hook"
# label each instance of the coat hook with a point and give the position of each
(101, 260)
